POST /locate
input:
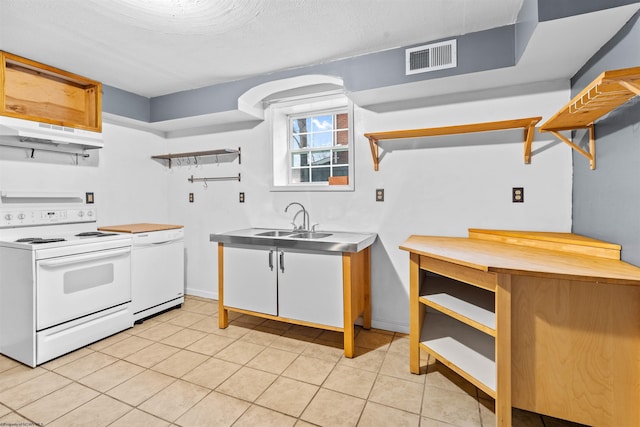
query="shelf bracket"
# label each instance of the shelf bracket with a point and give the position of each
(373, 144)
(528, 140)
(591, 155)
(630, 86)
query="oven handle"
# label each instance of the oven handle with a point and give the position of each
(75, 259)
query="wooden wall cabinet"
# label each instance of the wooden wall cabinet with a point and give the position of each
(33, 91)
(546, 322)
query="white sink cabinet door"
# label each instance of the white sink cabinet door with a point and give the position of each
(310, 287)
(249, 282)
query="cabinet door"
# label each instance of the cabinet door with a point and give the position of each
(310, 287)
(249, 282)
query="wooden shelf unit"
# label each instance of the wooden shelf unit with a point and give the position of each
(33, 91)
(542, 321)
(608, 91)
(528, 124)
(167, 159)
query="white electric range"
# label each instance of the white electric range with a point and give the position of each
(63, 284)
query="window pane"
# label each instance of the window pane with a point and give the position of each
(320, 174)
(299, 141)
(299, 175)
(342, 137)
(299, 159)
(319, 158)
(342, 121)
(341, 171)
(340, 157)
(321, 123)
(299, 125)
(322, 139)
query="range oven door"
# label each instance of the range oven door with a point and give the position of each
(73, 285)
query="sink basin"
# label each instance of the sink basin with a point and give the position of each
(275, 233)
(310, 235)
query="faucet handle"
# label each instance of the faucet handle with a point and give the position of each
(313, 227)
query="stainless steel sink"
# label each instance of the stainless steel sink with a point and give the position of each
(275, 233)
(310, 235)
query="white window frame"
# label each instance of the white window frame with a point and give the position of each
(279, 115)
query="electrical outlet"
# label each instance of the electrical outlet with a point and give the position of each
(241, 197)
(190, 197)
(89, 198)
(517, 194)
(380, 195)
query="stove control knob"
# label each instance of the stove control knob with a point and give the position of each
(21, 216)
(80, 214)
(8, 217)
(89, 213)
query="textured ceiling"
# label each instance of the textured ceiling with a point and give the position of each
(187, 44)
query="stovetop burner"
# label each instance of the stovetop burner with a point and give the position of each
(94, 234)
(38, 240)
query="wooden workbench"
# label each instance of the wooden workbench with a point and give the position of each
(546, 322)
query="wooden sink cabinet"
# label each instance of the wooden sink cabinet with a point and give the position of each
(321, 289)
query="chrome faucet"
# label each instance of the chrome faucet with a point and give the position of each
(305, 217)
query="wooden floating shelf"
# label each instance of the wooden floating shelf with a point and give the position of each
(528, 124)
(607, 92)
(168, 158)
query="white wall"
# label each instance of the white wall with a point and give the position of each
(434, 186)
(128, 186)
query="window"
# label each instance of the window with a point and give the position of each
(319, 146)
(312, 141)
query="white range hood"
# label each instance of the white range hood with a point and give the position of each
(29, 134)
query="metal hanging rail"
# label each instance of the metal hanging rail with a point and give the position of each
(218, 178)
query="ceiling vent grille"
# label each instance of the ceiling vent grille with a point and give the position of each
(431, 57)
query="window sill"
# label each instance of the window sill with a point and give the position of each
(312, 188)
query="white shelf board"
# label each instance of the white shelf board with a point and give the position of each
(468, 349)
(467, 301)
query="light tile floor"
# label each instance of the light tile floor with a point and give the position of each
(179, 369)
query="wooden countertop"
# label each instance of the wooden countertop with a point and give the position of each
(522, 258)
(139, 228)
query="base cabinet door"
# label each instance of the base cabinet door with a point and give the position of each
(310, 287)
(250, 279)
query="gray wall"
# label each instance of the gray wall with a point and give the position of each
(606, 201)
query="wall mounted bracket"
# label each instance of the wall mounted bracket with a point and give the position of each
(608, 91)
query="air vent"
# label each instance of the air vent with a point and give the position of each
(431, 57)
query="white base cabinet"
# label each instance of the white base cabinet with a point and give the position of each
(323, 289)
(292, 284)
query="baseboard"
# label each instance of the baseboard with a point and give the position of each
(201, 293)
(390, 326)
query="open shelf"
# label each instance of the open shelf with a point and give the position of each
(465, 350)
(528, 124)
(200, 157)
(608, 91)
(466, 303)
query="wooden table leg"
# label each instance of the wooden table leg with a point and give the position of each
(416, 313)
(366, 283)
(348, 303)
(503, 351)
(223, 313)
